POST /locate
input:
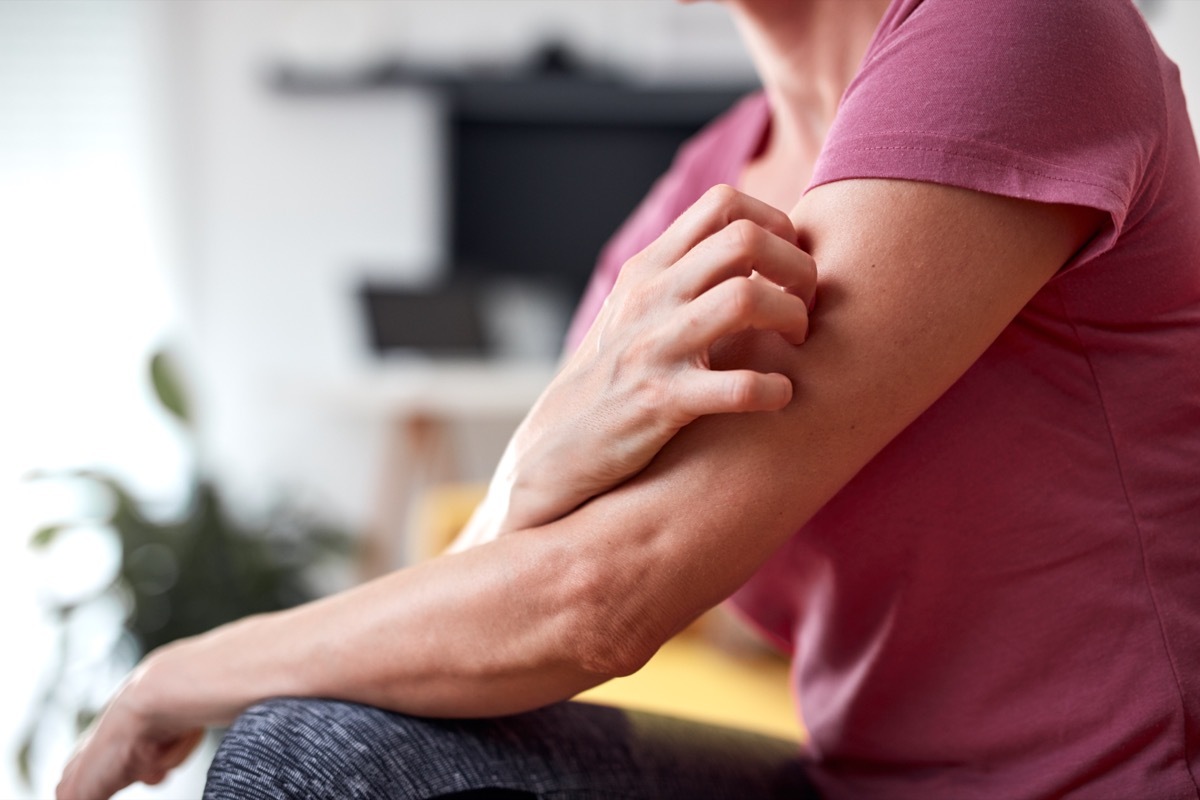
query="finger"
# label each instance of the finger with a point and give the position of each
(94, 775)
(157, 759)
(742, 248)
(179, 750)
(703, 392)
(737, 305)
(806, 289)
(718, 207)
(99, 766)
(154, 778)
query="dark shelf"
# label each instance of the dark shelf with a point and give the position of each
(582, 97)
(543, 164)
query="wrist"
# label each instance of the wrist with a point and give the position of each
(207, 679)
(149, 693)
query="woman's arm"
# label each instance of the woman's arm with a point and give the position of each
(491, 631)
(641, 375)
(916, 281)
(643, 371)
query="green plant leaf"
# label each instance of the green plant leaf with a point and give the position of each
(83, 718)
(24, 759)
(168, 388)
(221, 566)
(44, 536)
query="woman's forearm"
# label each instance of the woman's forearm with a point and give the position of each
(560, 603)
(491, 631)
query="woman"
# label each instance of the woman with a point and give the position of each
(968, 508)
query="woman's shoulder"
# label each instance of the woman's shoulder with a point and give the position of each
(1026, 43)
(1058, 102)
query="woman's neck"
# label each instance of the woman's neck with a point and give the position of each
(806, 53)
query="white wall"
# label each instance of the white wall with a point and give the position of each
(286, 200)
(82, 302)
(1176, 24)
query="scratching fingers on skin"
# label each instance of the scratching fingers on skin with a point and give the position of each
(741, 304)
(704, 392)
(743, 248)
(720, 206)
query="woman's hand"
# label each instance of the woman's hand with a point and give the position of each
(129, 742)
(728, 264)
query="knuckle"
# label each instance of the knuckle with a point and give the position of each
(741, 390)
(722, 196)
(780, 218)
(745, 238)
(742, 297)
(634, 266)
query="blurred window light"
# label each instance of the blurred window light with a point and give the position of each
(82, 291)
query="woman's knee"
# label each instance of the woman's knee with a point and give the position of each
(290, 747)
(305, 748)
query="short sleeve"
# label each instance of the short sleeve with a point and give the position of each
(1058, 102)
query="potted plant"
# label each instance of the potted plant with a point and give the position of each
(177, 577)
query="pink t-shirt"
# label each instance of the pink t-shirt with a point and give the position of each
(1006, 601)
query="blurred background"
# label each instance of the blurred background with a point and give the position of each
(301, 207)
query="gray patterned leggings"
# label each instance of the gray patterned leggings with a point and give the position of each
(293, 748)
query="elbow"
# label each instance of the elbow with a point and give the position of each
(608, 652)
(612, 631)
(611, 656)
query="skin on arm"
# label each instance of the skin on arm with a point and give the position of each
(728, 264)
(916, 280)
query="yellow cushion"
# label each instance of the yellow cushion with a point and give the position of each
(691, 678)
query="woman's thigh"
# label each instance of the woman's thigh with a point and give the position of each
(294, 748)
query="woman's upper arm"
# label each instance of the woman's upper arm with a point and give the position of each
(915, 281)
